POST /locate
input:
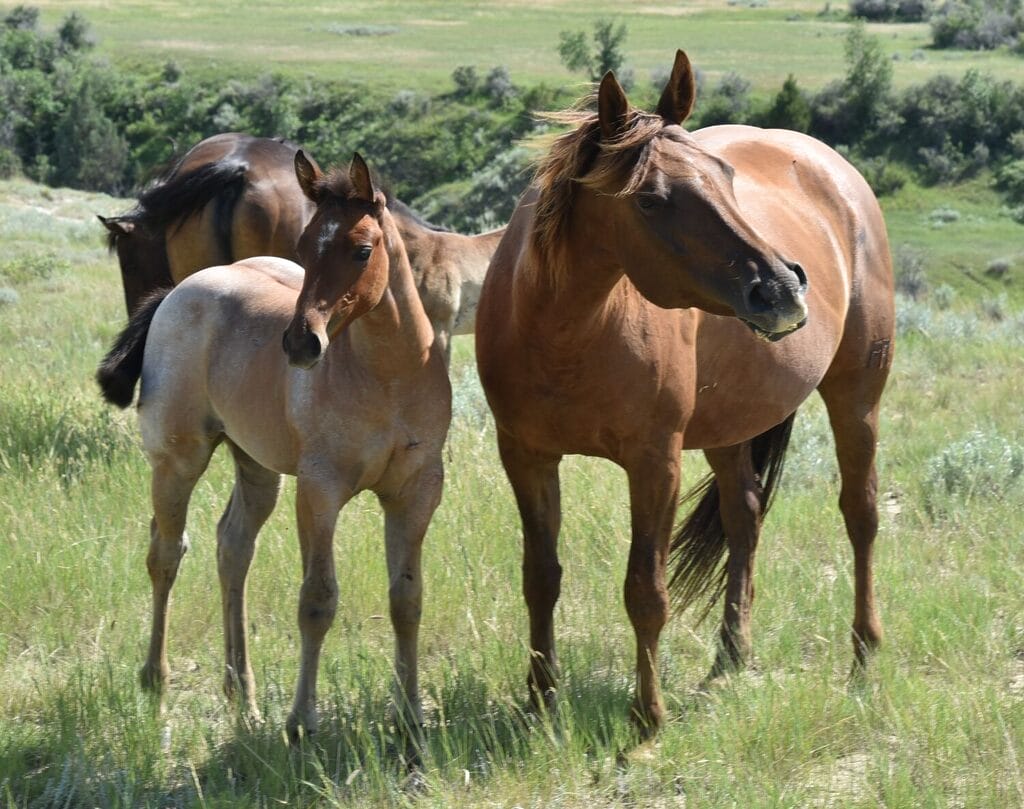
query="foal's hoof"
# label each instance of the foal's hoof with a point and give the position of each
(299, 730)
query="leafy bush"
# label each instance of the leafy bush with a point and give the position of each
(1010, 180)
(976, 24)
(727, 103)
(899, 10)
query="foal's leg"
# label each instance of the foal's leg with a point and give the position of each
(174, 478)
(317, 503)
(534, 480)
(406, 517)
(252, 502)
(653, 497)
(740, 508)
(852, 403)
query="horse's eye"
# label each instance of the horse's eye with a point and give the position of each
(363, 253)
(648, 202)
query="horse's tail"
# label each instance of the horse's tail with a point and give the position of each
(700, 542)
(180, 195)
(122, 367)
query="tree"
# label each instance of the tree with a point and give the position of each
(606, 54)
(790, 109)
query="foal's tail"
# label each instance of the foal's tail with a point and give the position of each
(700, 542)
(122, 367)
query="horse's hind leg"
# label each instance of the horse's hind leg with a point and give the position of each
(174, 478)
(740, 508)
(852, 401)
(252, 502)
(406, 517)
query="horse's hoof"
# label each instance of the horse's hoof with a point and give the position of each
(299, 730)
(647, 720)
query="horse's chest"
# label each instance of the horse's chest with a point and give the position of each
(589, 403)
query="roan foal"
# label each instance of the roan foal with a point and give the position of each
(365, 405)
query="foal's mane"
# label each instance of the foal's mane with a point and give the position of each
(584, 157)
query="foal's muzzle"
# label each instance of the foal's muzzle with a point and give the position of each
(303, 346)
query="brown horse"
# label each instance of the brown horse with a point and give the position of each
(235, 196)
(634, 309)
(372, 414)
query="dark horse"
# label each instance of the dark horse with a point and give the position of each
(660, 290)
(235, 196)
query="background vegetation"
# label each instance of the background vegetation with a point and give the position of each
(940, 721)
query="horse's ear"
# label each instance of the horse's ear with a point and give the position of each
(612, 106)
(307, 174)
(359, 174)
(679, 94)
(115, 227)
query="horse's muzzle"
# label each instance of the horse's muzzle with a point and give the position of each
(304, 349)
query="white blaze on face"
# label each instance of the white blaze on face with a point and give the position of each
(326, 236)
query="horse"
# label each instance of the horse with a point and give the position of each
(358, 399)
(659, 290)
(234, 196)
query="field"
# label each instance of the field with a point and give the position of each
(417, 45)
(939, 721)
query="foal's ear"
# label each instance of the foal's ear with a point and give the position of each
(115, 227)
(612, 106)
(359, 174)
(307, 173)
(679, 94)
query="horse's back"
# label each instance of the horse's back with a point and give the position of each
(263, 214)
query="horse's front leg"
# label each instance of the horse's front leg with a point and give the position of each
(317, 503)
(653, 495)
(407, 514)
(534, 479)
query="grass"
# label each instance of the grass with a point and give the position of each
(938, 722)
(410, 44)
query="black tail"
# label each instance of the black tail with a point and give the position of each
(698, 573)
(122, 367)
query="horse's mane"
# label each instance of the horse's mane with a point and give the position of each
(583, 157)
(175, 197)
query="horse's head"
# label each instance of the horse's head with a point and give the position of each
(665, 211)
(343, 253)
(141, 255)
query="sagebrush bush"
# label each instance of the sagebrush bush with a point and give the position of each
(909, 269)
(981, 464)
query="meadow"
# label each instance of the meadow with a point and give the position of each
(406, 44)
(938, 722)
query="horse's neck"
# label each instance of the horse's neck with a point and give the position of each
(395, 336)
(470, 254)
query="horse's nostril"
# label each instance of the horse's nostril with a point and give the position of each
(798, 271)
(756, 299)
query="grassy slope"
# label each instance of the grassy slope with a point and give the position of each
(417, 50)
(941, 719)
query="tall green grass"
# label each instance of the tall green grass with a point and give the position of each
(939, 721)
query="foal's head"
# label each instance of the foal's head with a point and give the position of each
(343, 252)
(650, 198)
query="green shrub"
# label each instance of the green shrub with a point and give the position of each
(980, 465)
(1010, 180)
(898, 10)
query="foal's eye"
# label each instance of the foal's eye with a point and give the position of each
(363, 253)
